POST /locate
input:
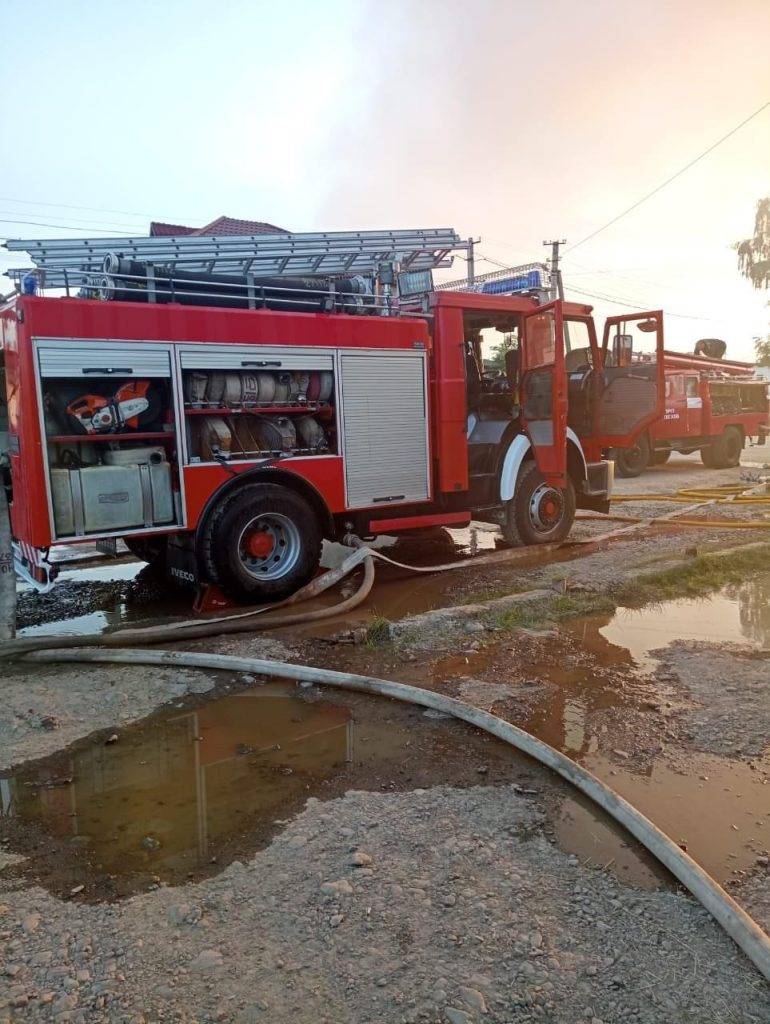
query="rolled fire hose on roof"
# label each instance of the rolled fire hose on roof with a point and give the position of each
(722, 907)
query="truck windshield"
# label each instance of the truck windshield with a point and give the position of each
(490, 338)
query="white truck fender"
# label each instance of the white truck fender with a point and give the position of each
(514, 457)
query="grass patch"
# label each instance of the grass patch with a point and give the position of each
(538, 614)
(378, 633)
(700, 575)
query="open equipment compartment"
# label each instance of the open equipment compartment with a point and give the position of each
(244, 402)
(109, 424)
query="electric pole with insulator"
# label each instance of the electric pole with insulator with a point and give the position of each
(557, 288)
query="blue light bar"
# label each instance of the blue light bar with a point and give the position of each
(506, 285)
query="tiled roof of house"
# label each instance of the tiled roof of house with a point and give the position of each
(219, 226)
(157, 228)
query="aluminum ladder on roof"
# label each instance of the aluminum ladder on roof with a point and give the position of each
(69, 262)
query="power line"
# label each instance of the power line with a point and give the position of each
(69, 206)
(631, 304)
(88, 222)
(65, 227)
(673, 177)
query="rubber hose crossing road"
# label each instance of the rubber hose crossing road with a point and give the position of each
(735, 921)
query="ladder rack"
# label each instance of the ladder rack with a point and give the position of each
(74, 261)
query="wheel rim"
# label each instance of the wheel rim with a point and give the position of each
(269, 546)
(546, 508)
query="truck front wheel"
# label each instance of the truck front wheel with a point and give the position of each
(538, 513)
(633, 461)
(263, 543)
(725, 452)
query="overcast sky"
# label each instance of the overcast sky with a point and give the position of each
(508, 120)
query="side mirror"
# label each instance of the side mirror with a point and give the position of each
(512, 367)
(622, 349)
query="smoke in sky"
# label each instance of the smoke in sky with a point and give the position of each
(524, 121)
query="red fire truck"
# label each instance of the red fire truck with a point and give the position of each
(712, 405)
(228, 424)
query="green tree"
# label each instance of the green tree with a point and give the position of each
(496, 358)
(762, 351)
(754, 252)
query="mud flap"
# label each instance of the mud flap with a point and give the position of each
(181, 563)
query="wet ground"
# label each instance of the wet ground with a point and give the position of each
(201, 783)
(596, 691)
(198, 784)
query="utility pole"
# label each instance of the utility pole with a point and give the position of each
(557, 286)
(471, 259)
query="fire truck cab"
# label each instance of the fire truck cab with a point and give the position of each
(230, 442)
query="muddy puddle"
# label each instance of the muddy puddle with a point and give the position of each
(738, 614)
(718, 811)
(125, 593)
(592, 694)
(192, 788)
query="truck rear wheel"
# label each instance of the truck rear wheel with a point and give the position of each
(725, 452)
(263, 543)
(538, 513)
(632, 461)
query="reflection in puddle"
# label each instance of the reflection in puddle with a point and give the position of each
(102, 573)
(195, 787)
(162, 799)
(738, 614)
(575, 696)
(78, 625)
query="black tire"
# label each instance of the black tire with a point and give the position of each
(660, 457)
(725, 452)
(262, 543)
(527, 518)
(631, 462)
(148, 549)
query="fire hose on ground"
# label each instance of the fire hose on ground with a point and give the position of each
(733, 919)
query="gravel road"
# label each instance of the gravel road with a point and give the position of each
(442, 905)
(446, 906)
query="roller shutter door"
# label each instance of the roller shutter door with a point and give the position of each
(101, 358)
(385, 428)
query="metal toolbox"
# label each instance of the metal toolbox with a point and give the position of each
(108, 499)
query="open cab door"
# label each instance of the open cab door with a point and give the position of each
(632, 393)
(543, 390)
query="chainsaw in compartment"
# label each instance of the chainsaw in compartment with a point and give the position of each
(101, 478)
